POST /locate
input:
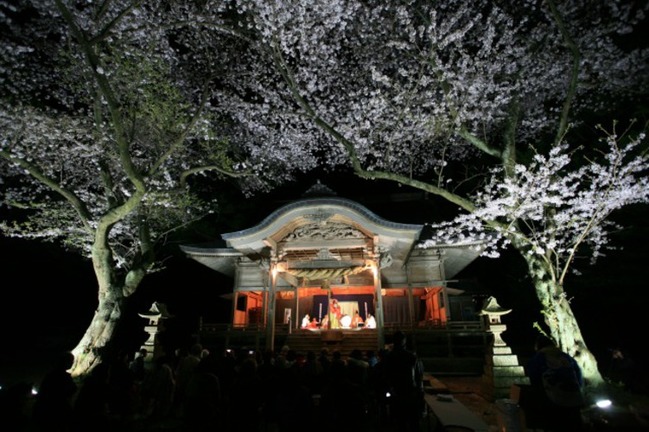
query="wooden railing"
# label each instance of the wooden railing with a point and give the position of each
(450, 326)
(457, 346)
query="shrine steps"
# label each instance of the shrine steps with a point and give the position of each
(456, 349)
(344, 341)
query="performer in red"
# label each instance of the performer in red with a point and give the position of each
(356, 320)
(335, 312)
(313, 324)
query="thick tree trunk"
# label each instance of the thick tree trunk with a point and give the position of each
(88, 352)
(114, 287)
(561, 320)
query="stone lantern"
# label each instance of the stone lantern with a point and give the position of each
(492, 312)
(502, 370)
(156, 313)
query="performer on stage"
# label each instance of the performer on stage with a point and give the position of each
(356, 320)
(335, 312)
(313, 324)
(370, 322)
(306, 320)
(325, 323)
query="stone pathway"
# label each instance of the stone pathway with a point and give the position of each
(467, 389)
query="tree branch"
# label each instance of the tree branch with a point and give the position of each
(68, 195)
(104, 31)
(181, 138)
(574, 74)
(185, 175)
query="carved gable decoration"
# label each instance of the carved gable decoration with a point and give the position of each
(324, 231)
(333, 234)
(325, 255)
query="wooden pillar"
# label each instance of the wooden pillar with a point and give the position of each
(237, 284)
(329, 321)
(270, 305)
(235, 299)
(297, 321)
(380, 322)
(447, 306)
(264, 301)
(411, 306)
(442, 272)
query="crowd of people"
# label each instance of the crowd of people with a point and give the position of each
(238, 390)
(242, 390)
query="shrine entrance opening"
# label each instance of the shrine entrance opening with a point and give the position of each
(424, 307)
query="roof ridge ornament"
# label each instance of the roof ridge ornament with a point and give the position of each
(491, 307)
(319, 190)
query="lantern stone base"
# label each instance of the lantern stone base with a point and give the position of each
(501, 372)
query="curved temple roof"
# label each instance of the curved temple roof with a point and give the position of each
(400, 239)
(315, 210)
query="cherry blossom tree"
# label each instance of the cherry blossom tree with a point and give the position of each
(481, 103)
(108, 118)
(478, 104)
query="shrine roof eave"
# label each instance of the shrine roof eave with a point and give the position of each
(253, 238)
(456, 256)
(220, 259)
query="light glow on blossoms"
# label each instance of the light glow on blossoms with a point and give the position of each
(556, 204)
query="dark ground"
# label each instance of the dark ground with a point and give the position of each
(632, 416)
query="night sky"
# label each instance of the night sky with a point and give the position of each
(50, 294)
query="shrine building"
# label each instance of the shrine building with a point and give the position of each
(327, 268)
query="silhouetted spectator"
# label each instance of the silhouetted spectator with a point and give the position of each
(247, 397)
(294, 405)
(186, 367)
(270, 383)
(158, 390)
(313, 373)
(53, 405)
(91, 403)
(137, 366)
(379, 386)
(227, 371)
(123, 389)
(371, 358)
(556, 383)
(337, 368)
(356, 392)
(202, 406)
(405, 379)
(283, 359)
(324, 360)
(358, 368)
(335, 400)
(623, 369)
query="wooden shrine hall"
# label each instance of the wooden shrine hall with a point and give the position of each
(325, 268)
